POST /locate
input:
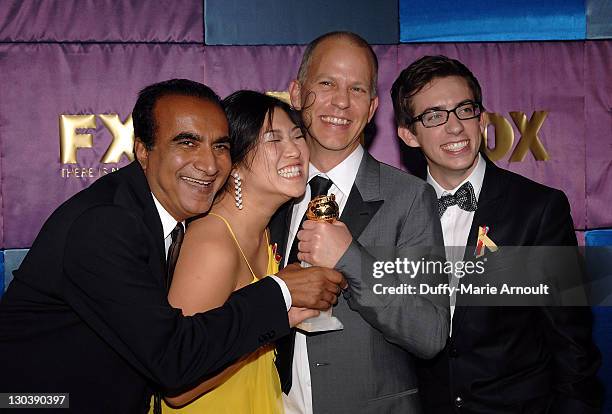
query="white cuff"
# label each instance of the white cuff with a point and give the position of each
(284, 289)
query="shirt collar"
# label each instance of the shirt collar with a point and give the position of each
(168, 222)
(475, 178)
(342, 175)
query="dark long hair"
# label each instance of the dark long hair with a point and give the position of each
(246, 112)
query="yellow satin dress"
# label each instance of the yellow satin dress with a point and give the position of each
(255, 388)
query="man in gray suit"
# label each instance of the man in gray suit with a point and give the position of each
(367, 366)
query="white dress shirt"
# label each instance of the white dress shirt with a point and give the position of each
(169, 223)
(299, 400)
(456, 223)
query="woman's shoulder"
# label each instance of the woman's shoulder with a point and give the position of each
(207, 268)
(213, 238)
(205, 224)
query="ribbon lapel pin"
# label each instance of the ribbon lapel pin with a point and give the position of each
(277, 257)
(484, 242)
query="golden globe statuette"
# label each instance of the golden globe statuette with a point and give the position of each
(322, 208)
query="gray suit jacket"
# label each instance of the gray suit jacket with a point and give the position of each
(368, 367)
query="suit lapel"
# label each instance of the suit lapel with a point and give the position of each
(154, 222)
(279, 227)
(140, 189)
(364, 200)
(489, 203)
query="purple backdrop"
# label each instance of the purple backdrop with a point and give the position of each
(102, 21)
(598, 133)
(39, 82)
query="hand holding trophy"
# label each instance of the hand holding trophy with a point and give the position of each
(322, 208)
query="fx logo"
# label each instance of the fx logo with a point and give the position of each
(504, 136)
(71, 140)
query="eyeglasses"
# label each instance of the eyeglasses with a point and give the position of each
(437, 117)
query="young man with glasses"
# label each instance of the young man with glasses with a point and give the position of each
(497, 359)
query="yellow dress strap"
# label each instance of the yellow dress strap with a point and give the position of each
(229, 227)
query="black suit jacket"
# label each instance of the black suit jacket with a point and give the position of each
(87, 312)
(516, 359)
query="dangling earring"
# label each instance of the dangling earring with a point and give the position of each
(237, 189)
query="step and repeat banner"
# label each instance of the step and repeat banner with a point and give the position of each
(70, 71)
(65, 113)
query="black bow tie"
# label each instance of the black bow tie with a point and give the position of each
(464, 197)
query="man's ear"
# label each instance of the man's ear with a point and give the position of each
(408, 137)
(141, 153)
(295, 93)
(373, 106)
(484, 120)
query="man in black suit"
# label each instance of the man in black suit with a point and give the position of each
(87, 314)
(497, 359)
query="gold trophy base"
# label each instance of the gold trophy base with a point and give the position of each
(324, 322)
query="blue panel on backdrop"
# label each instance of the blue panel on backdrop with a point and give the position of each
(602, 328)
(599, 19)
(476, 21)
(276, 22)
(12, 260)
(1, 272)
(598, 237)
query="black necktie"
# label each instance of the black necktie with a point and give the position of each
(173, 252)
(318, 186)
(464, 197)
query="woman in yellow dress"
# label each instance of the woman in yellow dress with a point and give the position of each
(230, 247)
